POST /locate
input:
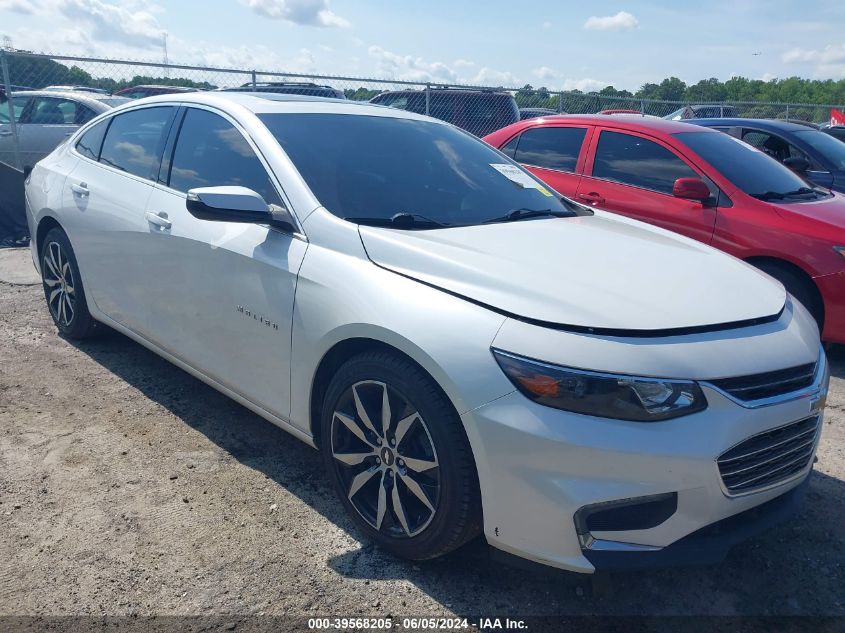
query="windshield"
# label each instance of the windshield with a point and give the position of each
(745, 166)
(831, 148)
(373, 168)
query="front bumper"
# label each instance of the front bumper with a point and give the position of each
(541, 465)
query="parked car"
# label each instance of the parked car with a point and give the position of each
(811, 152)
(468, 351)
(14, 88)
(479, 112)
(837, 132)
(533, 113)
(98, 91)
(702, 111)
(715, 189)
(139, 92)
(290, 88)
(45, 119)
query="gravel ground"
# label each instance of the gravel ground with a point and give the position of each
(127, 487)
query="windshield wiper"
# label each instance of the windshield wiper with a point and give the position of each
(777, 195)
(523, 214)
(402, 220)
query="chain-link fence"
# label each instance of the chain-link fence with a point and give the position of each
(31, 125)
(478, 109)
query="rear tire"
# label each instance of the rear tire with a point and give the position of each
(63, 287)
(798, 286)
(406, 478)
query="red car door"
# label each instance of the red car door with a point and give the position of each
(555, 154)
(631, 174)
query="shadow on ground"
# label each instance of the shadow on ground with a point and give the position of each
(794, 569)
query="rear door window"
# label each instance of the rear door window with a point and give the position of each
(135, 140)
(551, 147)
(636, 161)
(211, 152)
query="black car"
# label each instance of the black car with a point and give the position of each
(817, 156)
(479, 112)
(836, 132)
(290, 88)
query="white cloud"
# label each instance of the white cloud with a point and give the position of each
(828, 62)
(584, 85)
(304, 12)
(492, 77)
(556, 81)
(410, 68)
(830, 54)
(622, 21)
(17, 6)
(105, 22)
(545, 73)
(547, 25)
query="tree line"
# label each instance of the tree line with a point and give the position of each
(38, 72)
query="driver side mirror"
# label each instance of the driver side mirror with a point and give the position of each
(691, 189)
(236, 204)
(797, 164)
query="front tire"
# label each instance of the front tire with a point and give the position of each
(398, 457)
(63, 287)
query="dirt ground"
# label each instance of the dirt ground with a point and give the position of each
(127, 487)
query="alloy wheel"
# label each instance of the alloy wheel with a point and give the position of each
(386, 459)
(58, 278)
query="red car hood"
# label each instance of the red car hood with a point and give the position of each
(830, 211)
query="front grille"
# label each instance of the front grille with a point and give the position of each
(770, 457)
(770, 384)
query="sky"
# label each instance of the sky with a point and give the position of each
(557, 44)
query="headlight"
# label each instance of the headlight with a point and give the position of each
(603, 395)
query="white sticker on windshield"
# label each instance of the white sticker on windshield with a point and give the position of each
(515, 174)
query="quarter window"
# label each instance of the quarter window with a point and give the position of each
(134, 141)
(633, 160)
(91, 142)
(551, 147)
(211, 152)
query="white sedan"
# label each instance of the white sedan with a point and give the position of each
(470, 352)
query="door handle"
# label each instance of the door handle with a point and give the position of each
(592, 197)
(80, 189)
(159, 219)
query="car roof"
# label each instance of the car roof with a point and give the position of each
(763, 124)
(633, 122)
(273, 102)
(67, 94)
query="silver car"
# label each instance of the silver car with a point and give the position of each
(45, 118)
(471, 352)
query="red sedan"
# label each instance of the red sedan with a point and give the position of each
(701, 183)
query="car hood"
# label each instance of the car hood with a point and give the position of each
(830, 211)
(598, 272)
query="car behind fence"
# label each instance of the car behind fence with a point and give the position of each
(478, 109)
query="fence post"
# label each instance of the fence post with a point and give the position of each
(642, 106)
(560, 102)
(253, 81)
(7, 87)
(427, 99)
(787, 110)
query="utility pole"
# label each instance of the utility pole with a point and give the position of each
(166, 62)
